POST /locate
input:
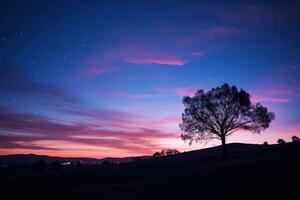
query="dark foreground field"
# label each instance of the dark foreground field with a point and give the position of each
(251, 172)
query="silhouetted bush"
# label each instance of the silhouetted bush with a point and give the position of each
(295, 139)
(281, 141)
(38, 166)
(55, 165)
(156, 154)
(166, 152)
(265, 143)
(169, 152)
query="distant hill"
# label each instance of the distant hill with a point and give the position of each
(235, 149)
(196, 154)
(250, 172)
(30, 158)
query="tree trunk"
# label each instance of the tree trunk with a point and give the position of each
(224, 149)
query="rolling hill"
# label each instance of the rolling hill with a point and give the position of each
(251, 172)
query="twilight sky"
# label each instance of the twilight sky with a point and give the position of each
(106, 78)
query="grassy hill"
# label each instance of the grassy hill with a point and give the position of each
(251, 172)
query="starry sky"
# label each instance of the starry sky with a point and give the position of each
(106, 78)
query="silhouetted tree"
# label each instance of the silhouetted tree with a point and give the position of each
(166, 152)
(156, 154)
(39, 166)
(265, 143)
(55, 165)
(281, 141)
(295, 139)
(220, 112)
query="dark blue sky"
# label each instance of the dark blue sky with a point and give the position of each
(106, 78)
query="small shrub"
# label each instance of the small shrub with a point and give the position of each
(166, 152)
(265, 143)
(169, 152)
(281, 141)
(295, 139)
(156, 154)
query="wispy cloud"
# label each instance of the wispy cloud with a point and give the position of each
(260, 98)
(129, 95)
(95, 71)
(15, 84)
(284, 91)
(205, 34)
(158, 60)
(128, 132)
(187, 91)
(218, 30)
(141, 55)
(275, 95)
(252, 14)
(168, 122)
(198, 53)
(94, 67)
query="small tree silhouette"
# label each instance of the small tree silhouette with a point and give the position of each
(156, 154)
(166, 152)
(295, 139)
(281, 141)
(39, 166)
(169, 152)
(219, 113)
(265, 143)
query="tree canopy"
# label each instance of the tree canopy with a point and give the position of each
(220, 112)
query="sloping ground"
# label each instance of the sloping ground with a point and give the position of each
(251, 172)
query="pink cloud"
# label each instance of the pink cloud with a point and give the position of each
(35, 132)
(218, 31)
(258, 98)
(95, 67)
(252, 14)
(139, 55)
(162, 121)
(187, 91)
(129, 95)
(159, 60)
(170, 123)
(198, 53)
(94, 71)
(283, 91)
(275, 95)
(180, 91)
(204, 34)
